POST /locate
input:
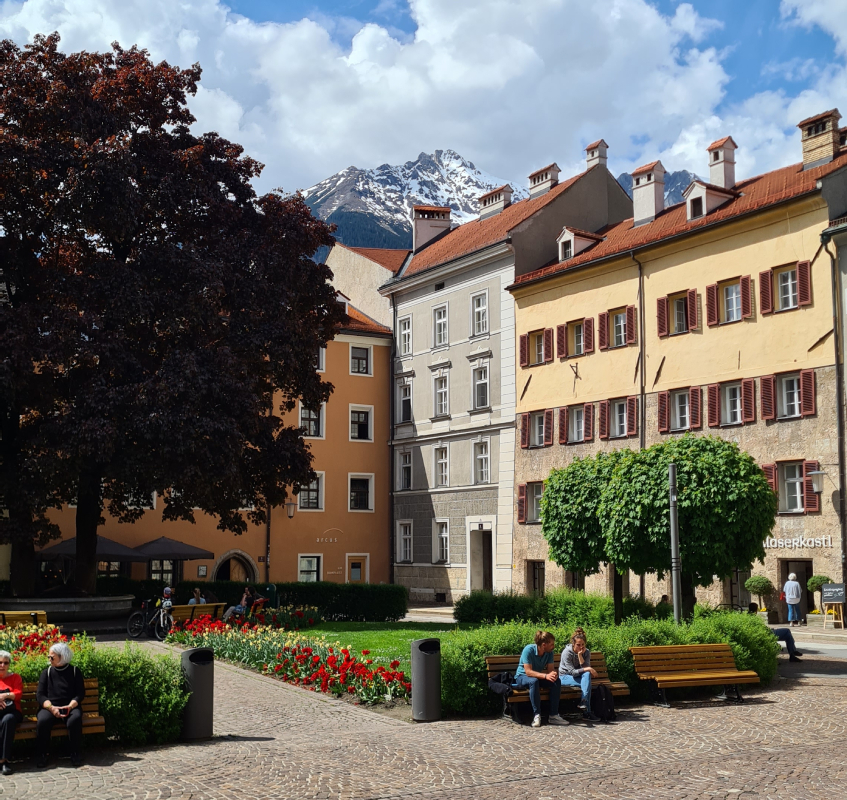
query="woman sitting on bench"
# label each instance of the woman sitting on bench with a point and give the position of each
(11, 689)
(61, 689)
(575, 670)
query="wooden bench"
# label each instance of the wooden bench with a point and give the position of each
(92, 722)
(497, 664)
(188, 613)
(12, 619)
(678, 666)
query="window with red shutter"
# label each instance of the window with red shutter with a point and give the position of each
(603, 330)
(748, 400)
(807, 393)
(767, 387)
(766, 292)
(770, 474)
(631, 416)
(692, 309)
(694, 416)
(662, 316)
(525, 423)
(746, 298)
(712, 317)
(548, 427)
(521, 502)
(524, 349)
(561, 341)
(603, 422)
(714, 392)
(588, 335)
(563, 425)
(804, 283)
(811, 499)
(548, 345)
(631, 337)
(664, 400)
(588, 422)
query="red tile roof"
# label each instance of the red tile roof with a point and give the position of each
(721, 143)
(583, 234)
(481, 233)
(817, 117)
(360, 322)
(431, 208)
(544, 169)
(646, 168)
(714, 187)
(494, 191)
(756, 194)
(596, 144)
(386, 257)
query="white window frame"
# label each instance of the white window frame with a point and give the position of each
(321, 365)
(369, 348)
(536, 429)
(151, 507)
(576, 432)
(371, 493)
(402, 538)
(404, 337)
(437, 539)
(355, 407)
(445, 412)
(401, 387)
(782, 395)
(778, 280)
(482, 461)
(536, 347)
(319, 556)
(618, 431)
(676, 416)
(533, 501)
(725, 301)
(726, 407)
(479, 330)
(788, 487)
(438, 462)
(435, 326)
(618, 330)
(322, 413)
(578, 336)
(476, 383)
(321, 494)
(400, 468)
(676, 303)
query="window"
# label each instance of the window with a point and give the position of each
(360, 424)
(618, 420)
(533, 499)
(537, 429)
(405, 331)
(405, 470)
(480, 387)
(578, 340)
(311, 421)
(696, 207)
(360, 362)
(536, 347)
(442, 532)
(732, 302)
(164, 570)
(680, 419)
(576, 424)
(442, 407)
(618, 328)
(442, 474)
(791, 489)
(405, 404)
(320, 359)
(439, 326)
(136, 500)
(479, 305)
(309, 569)
(360, 493)
(789, 395)
(731, 404)
(404, 549)
(311, 495)
(786, 289)
(679, 309)
(109, 569)
(481, 462)
(535, 577)
(567, 249)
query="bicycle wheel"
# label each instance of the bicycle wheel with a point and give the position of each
(135, 624)
(163, 626)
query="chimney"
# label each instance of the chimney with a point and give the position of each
(543, 180)
(427, 223)
(722, 162)
(821, 138)
(648, 192)
(495, 201)
(595, 154)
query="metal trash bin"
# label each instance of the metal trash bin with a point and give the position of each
(426, 680)
(198, 665)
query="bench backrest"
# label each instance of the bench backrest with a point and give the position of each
(497, 664)
(185, 613)
(91, 701)
(12, 619)
(685, 657)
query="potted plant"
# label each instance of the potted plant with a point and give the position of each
(761, 586)
(815, 584)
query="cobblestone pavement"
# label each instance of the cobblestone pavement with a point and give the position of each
(276, 741)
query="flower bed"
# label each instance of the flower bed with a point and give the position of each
(294, 657)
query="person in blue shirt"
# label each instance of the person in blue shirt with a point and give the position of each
(536, 668)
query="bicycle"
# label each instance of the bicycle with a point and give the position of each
(153, 614)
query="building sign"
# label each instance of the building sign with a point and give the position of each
(832, 593)
(798, 543)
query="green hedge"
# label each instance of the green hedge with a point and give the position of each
(464, 686)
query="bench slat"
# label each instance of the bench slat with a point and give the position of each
(674, 666)
(92, 721)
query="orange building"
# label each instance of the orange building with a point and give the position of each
(340, 528)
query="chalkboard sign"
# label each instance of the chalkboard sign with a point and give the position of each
(832, 593)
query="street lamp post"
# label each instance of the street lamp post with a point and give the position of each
(675, 562)
(289, 508)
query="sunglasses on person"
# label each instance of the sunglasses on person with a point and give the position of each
(5, 663)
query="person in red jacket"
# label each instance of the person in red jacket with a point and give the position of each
(11, 689)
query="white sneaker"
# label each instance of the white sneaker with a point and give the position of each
(557, 720)
(536, 721)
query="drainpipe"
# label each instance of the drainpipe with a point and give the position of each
(642, 405)
(268, 547)
(839, 394)
(391, 411)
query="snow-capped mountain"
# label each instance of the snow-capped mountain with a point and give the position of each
(675, 184)
(372, 207)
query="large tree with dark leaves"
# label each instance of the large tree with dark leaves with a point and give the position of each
(156, 316)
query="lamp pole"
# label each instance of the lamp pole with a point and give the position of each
(675, 562)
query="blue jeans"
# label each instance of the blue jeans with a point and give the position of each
(534, 686)
(785, 635)
(793, 612)
(584, 683)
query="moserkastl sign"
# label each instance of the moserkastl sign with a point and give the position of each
(798, 543)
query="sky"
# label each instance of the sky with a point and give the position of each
(310, 87)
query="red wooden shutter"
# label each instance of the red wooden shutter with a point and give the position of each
(746, 298)
(603, 330)
(562, 341)
(691, 300)
(631, 338)
(714, 391)
(521, 502)
(712, 317)
(548, 427)
(767, 388)
(766, 292)
(664, 412)
(662, 316)
(770, 474)
(588, 422)
(631, 416)
(804, 283)
(807, 392)
(548, 344)
(525, 422)
(524, 348)
(694, 416)
(588, 335)
(563, 425)
(748, 400)
(811, 499)
(604, 419)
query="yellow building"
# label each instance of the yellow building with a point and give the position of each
(714, 315)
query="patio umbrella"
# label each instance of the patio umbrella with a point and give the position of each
(171, 549)
(107, 550)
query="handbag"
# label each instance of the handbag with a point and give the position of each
(782, 595)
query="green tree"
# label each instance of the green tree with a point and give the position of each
(761, 586)
(815, 584)
(725, 508)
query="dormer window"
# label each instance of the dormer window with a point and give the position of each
(696, 207)
(567, 249)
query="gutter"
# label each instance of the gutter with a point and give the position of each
(391, 417)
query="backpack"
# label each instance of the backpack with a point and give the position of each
(603, 703)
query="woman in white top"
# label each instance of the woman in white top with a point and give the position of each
(792, 597)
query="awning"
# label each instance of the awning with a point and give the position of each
(107, 550)
(172, 550)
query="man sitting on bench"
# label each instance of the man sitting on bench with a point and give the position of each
(783, 634)
(537, 665)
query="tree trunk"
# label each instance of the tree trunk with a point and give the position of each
(23, 568)
(89, 506)
(617, 593)
(688, 597)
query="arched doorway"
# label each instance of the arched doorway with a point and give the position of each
(235, 566)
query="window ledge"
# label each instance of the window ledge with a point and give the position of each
(679, 333)
(732, 424)
(782, 310)
(404, 563)
(788, 419)
(478, 336)
(483, 410)
(439, 418)
(791, 513)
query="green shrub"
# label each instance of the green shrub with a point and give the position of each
(761, 586)
(816, 582)
(482, 606)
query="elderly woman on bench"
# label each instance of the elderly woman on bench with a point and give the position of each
(11, 689)
(61, 689)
